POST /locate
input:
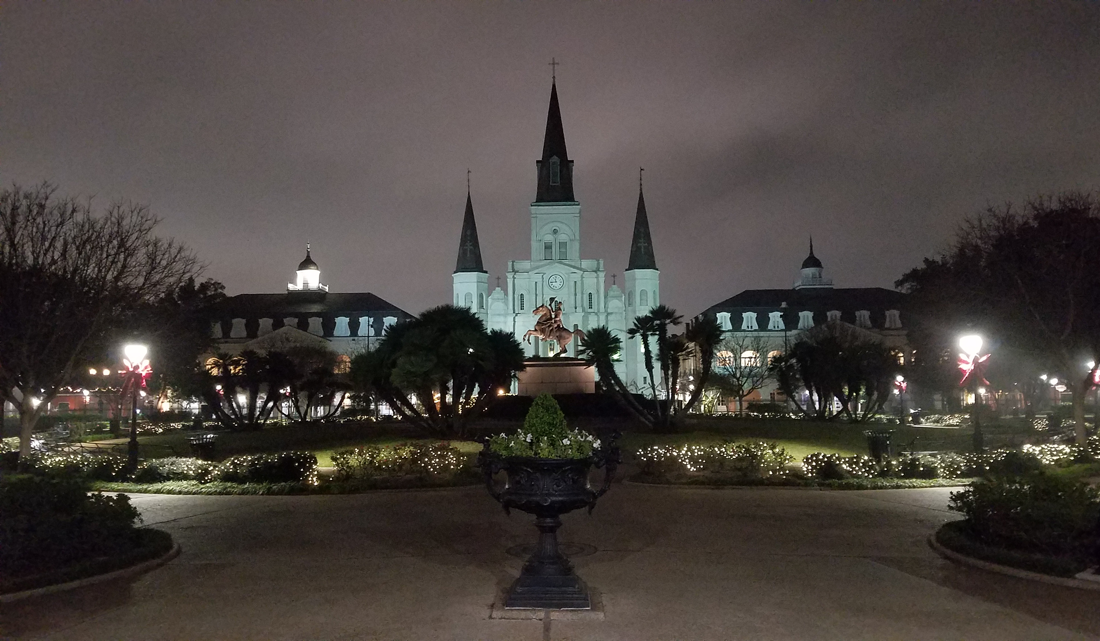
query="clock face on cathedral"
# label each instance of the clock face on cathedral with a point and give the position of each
(555, 281)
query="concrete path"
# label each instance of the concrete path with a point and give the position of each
(670, 564)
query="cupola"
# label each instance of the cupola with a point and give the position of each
(812, 273)
(309, 276)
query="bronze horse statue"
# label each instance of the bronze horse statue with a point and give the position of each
(549, 328)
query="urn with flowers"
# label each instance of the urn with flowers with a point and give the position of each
(547, 466)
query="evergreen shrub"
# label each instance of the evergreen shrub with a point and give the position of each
(283, 467)
(48, 522)
(405, 459)
(175, 468)
(1039, 513)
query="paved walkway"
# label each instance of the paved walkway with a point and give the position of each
(670, 564)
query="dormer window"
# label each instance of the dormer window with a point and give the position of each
(555, 172)
(775, 321)
(833, 315)
(863, 318)
(893, 319)
(724, 320)
(805, 320)
(748, 322)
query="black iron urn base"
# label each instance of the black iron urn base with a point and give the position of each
(547, 580)
(548, 488)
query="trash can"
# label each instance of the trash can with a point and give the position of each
(202, 446)
(878, 442)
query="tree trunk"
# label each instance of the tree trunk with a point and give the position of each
(28, 417)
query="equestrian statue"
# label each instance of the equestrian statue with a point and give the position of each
(549, 328)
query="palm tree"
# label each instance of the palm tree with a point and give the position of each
(600, 347)
(644, 328)
(662, 317)
(447, 360)
(705, 334)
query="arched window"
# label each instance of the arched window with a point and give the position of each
(643, 298)
(343, 364)
(724, 359)
(591, 301)
(521, 302)
(772, 355)
(749, 358)
(555, 171)
(469, 300)
(480, 300)
(630, 298)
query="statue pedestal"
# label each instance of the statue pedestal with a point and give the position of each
(557, 376)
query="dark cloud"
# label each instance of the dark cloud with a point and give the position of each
(254, 127)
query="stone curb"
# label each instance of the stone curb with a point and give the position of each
(133, 570)
(805, 488)
(951, 555)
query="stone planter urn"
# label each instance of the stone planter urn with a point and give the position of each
(548, 488)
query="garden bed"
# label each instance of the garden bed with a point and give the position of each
(953, 536)
(151, 545)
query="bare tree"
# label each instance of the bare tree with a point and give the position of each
(67, 278)
(742, 366)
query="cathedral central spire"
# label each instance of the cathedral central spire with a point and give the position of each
(555, 170)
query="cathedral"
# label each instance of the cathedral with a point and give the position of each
(556, 273)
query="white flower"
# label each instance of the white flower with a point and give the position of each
(596, 444)
(565, 441)
(530, 438)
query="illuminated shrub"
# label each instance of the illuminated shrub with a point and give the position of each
(834, 467)
(405, 459)
(284, 467)
(159, 470)
(746, 460)
(93, 467)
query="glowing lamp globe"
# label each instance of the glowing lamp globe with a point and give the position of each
(971, 344)
(135, 353)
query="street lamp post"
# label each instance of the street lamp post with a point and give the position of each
(137, 370)
(971, 363)
(900, 385)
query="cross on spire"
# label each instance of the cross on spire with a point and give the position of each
(640, 170)
(554, 68)
(467, 180)
(307, 248)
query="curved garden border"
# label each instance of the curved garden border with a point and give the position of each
(133, 570)
(962, 559)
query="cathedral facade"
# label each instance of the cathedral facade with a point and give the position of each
(555, 272)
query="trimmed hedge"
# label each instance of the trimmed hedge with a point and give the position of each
(284, 467)
(738, 461)
(51, 522)
(405, 459)
(149, 544)
(955, 537)
(1039, 514)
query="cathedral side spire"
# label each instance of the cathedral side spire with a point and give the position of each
(555, 170)
(469, 249)
(641, 245)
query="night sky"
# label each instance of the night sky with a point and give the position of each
(251, 128)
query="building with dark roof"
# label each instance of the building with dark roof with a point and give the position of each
(307, 313)
(766, 321)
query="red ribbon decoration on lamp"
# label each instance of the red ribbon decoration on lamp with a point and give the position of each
(134, 374)
(972, 365)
